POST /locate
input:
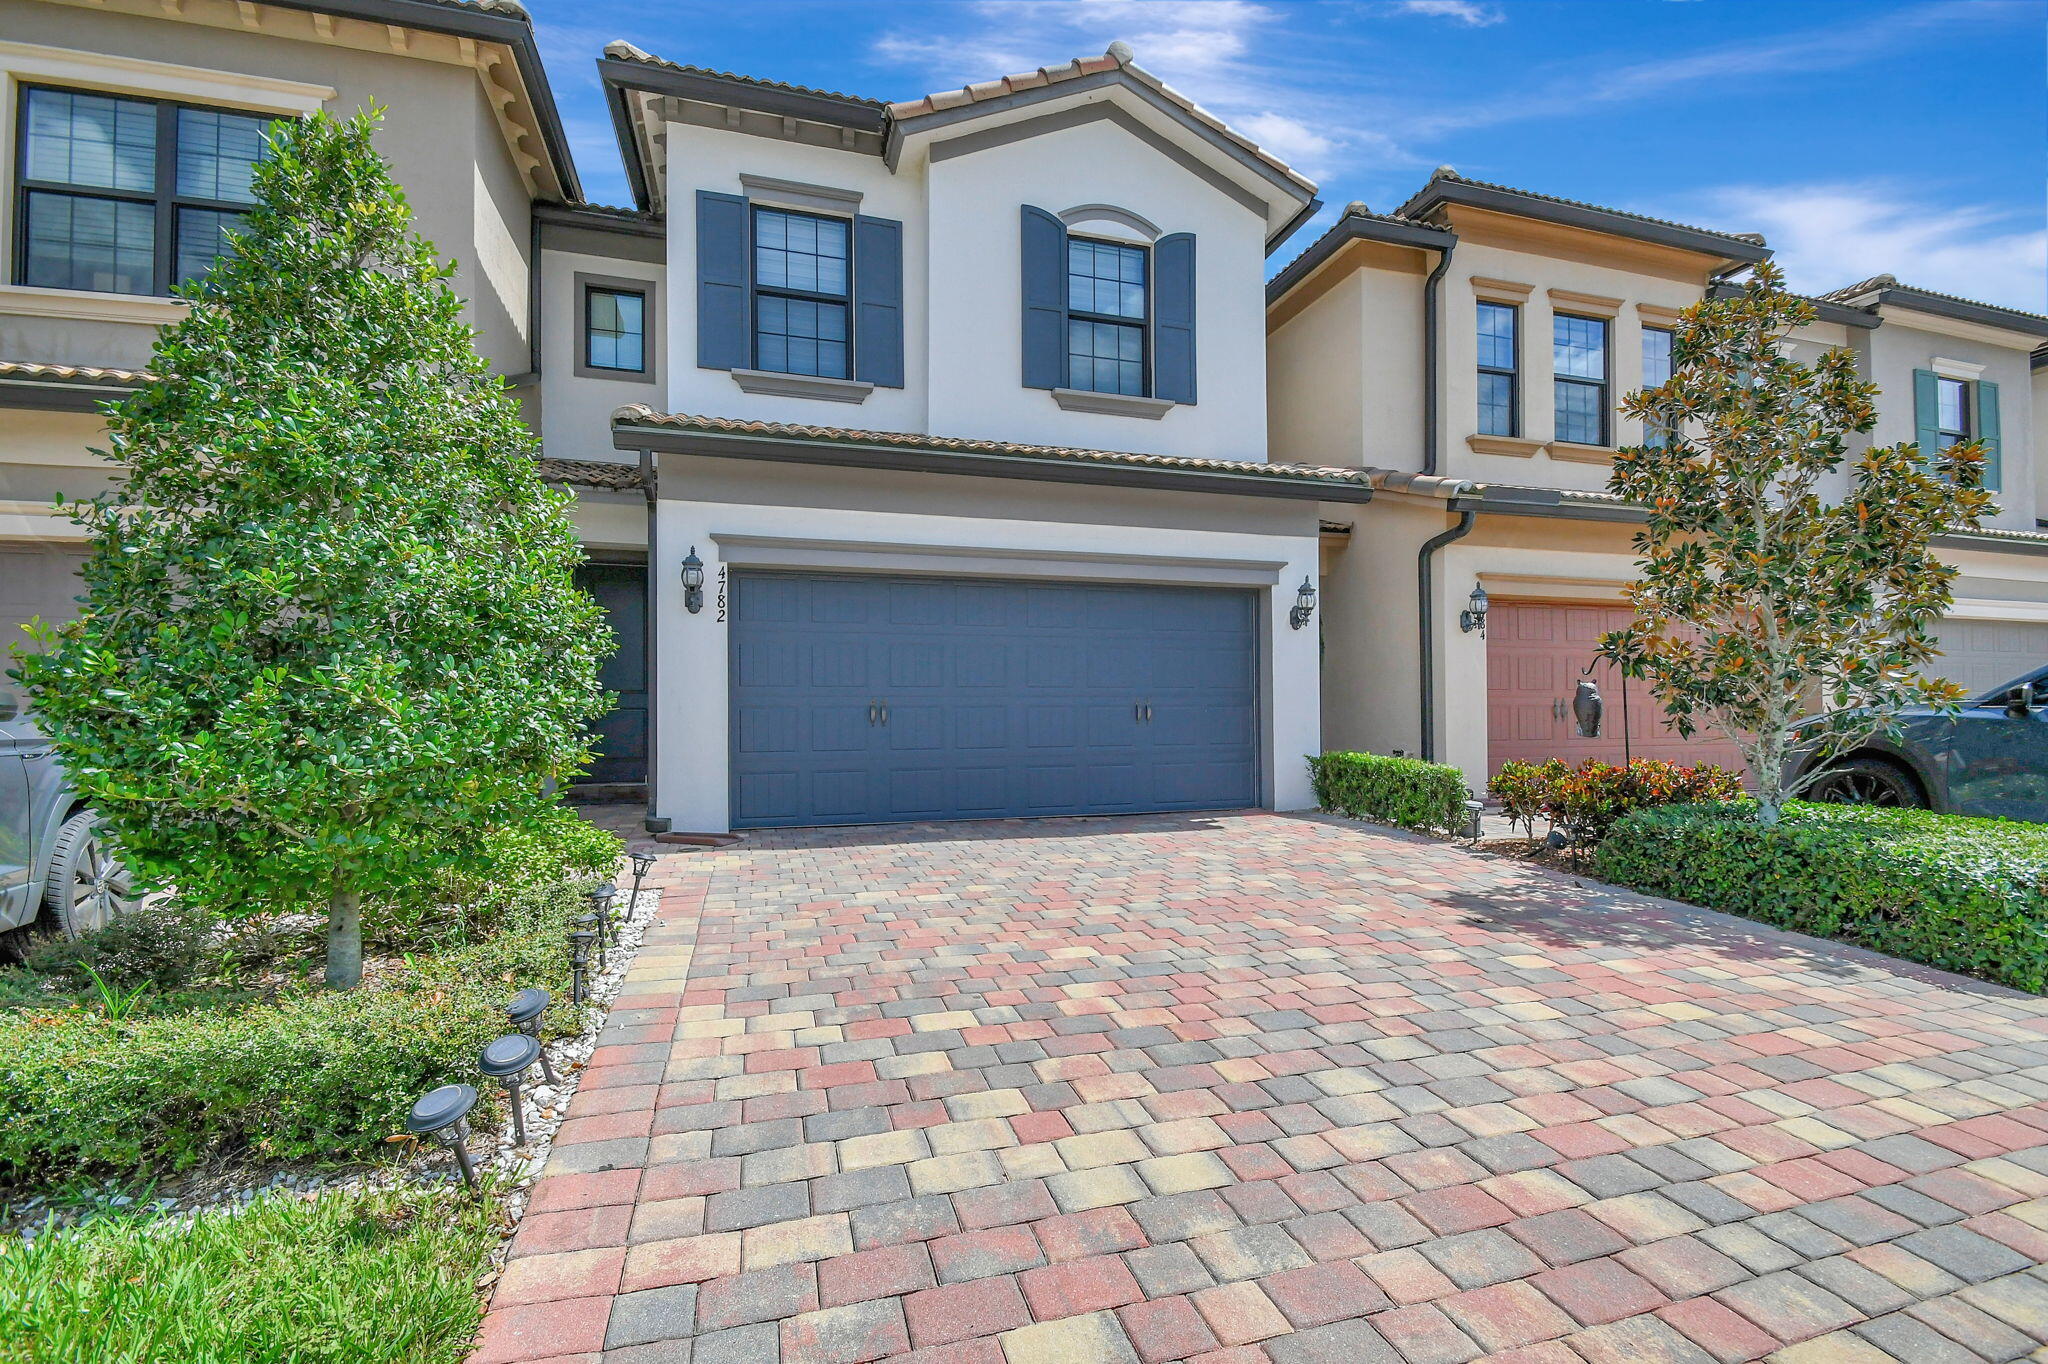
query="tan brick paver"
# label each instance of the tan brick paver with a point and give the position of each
(1258, 1089)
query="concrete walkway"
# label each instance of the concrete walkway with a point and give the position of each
(1264, 1088)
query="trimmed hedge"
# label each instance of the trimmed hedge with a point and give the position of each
(1967, 895)
(1404, 791)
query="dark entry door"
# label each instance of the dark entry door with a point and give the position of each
(621, 589)
(859, 700)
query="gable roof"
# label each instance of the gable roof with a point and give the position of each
(1886, 289)
(874, 126)
(1358, 223)
(1447, 187)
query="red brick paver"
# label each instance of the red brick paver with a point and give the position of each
(1258, 1089)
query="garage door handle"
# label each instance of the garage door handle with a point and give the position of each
(1148, 712)
(871, 712)
(885, 712)
(1137, 712)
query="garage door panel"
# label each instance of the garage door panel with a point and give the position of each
(1003, 699)
(1981, 654)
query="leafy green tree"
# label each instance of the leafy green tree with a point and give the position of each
(331, 637)
(1778, 567)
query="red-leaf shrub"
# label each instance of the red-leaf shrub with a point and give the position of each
(1583, 802)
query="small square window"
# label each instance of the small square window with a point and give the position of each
(615, 329)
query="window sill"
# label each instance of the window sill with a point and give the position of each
(802, 386)
(1516, 446)
(1580, 454)
(85, 305)
(1112, 404)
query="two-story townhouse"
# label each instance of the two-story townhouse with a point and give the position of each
(1478, 341)
(960, 498)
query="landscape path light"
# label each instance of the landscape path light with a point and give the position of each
(443, 1115)
(593, 924)
(525, 1012)
(579, 961)
(507, 1060)
(642, 864)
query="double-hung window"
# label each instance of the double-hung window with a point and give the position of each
(802, 285)
(1499, 346)
(1579, 368)
(128, 196)
(1952, 412)
(1656, 374)
(1106, 317)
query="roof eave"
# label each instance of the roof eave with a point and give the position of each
(1713, 245)
(634, 434)
(1350, 229)
(1962, 310)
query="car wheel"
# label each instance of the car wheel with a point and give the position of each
(89, 887)
(1868, 781)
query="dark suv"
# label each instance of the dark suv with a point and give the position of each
(52, 858)
(1991, 758)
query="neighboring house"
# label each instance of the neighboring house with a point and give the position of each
(1473, 347)
(956, 406)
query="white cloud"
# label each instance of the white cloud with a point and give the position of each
(1830, 235)
(1465, 12)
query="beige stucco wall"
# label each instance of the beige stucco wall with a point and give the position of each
(440, 135)
(1345, 373)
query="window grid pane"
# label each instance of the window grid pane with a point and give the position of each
(1656, 374)
(217, 154)
(793, 251)
(92, 140)
(1952, 409)
(1498, 353)
(1580, 412)
(1105, 279)
(1496, 405)
(203, 239)
(616, 335)
(1105, 357)
(1580, 347)
(1496, 336)
(76, 242)
(800, 336)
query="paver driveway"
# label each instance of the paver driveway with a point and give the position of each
(1277, 1088)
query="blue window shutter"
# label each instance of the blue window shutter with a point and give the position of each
(1926, 413)
(1044, 253)
(878, 301)
(1987, 432)
(722, 341)
(1173, 318)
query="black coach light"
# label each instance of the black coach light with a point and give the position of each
(443, 1115)
(693, 582)
(506, 1060)
(524, 1013)
(1304, 605)
(1473, 617)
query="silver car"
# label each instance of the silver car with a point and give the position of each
(53, 859)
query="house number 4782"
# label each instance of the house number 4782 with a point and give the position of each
(721, 594)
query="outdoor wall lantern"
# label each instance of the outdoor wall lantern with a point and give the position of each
(1304, 605)
(579, 962)
(693, 582)
(524, 1013)
(506, 1060)
(443, 1115)
(1473, 617)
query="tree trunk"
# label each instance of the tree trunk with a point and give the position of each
(344, 939)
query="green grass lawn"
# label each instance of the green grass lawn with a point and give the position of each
(344, 1277)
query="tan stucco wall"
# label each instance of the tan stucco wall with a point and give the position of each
(440, 134)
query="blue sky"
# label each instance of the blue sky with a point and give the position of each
(1858, 135)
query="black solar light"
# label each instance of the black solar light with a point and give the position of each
(524, 1012)
(579, 961)
(1473, 810)
(507, 1059)
(601, 897)
(642, 864)
(593, 924)
(443, 1115)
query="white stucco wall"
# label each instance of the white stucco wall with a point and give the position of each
(576, 409)
(692, 787)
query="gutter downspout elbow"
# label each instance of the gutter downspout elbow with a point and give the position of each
(1432, 308)
(1425, 564)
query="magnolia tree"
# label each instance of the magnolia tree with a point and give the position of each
(330, 635)
(1777, 568)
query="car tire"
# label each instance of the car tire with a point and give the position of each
(88, 887)
(1868, 781)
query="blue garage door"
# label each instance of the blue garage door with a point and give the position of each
(863, 700)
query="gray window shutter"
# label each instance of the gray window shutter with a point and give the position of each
(1173, 318)
(1045, 299)
(878, 301)
(722, 340)
(1926, 414)
(1987, 432)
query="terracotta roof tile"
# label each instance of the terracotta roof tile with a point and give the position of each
(607, 474)
(621, 50)
(34, 371)
(1446, 173)
(641, 415)
(1879, 283)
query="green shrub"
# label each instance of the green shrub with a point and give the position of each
(161, 943)
(1968, 895)
(1403, 791)
(314, 1074)
(467, 902)
(1583, 802)
(344, 1278)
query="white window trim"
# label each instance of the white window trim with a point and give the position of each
(1956, 369)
